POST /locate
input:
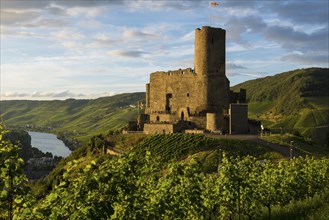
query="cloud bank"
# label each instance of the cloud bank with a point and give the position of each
(76, 48)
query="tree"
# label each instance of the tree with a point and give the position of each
(13, 183)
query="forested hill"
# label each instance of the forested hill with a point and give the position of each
(297, 99)
(290, 91)
(78, 118)
(311, 82)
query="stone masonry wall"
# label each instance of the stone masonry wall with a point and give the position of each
(184, 88)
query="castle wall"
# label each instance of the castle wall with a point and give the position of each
(158, 128)
(239, 119)
(212, 122)
(162, 117)
(199, 121)
(141, 120)
(183, 88)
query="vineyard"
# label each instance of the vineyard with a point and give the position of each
(137, 185)
(175, 147)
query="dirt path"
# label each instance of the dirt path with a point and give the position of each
(285, 151)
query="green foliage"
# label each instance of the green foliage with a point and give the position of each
(143, 185)
(316, 208)
(13, 183)
(43, 186)
(126, 188)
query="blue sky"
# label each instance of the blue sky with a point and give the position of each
(88, 49)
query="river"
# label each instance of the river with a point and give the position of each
(49, 143)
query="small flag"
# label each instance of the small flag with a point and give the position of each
(214, 4)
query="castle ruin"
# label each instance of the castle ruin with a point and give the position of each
(196, 100)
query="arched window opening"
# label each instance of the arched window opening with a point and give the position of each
(182, 116)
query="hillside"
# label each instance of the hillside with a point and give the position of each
(79, 118)
(294, 100)
(297, 100)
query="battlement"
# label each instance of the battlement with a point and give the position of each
(207, 28)
(179, 72)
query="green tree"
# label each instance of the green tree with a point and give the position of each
(13, 182)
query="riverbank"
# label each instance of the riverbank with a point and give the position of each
(72, 144)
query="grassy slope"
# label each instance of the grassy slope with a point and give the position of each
(294, 100)
(81, 118)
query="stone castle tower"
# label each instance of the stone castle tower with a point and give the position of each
(190, 99)
(209, 65)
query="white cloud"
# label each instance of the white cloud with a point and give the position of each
(50, 95)
(68, 35)
(235, 48)
(13, 32)
(241, 12)
(89, 11)
(48, 23)
(156, 5)
(234, 66)
(126, 53)
(56, 10)
(103, 41)
(133, 34)
(17, 17)
(310, 58)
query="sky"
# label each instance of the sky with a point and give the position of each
(87, 49)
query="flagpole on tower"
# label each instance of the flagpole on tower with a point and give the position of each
(212, 12)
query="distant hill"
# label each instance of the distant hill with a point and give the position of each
(77, 118)
(296, 100)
